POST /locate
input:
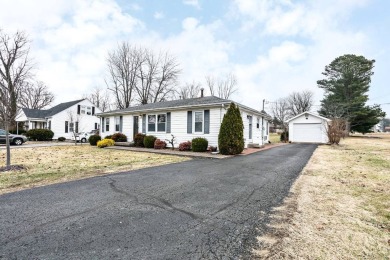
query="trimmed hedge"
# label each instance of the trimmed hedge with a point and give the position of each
(94, 139)
(20, 131)
(119, 137)
(61, 139)
(185, 146)
(40, 134)
(149, 141)
(105, 143)
(108, 137)
(159, 144)
(139, 140)
(199, 144)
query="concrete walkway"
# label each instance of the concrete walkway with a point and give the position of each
(38, 144)
(192, 154)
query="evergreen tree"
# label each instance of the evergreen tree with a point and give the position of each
(347, 82)
(231, 133)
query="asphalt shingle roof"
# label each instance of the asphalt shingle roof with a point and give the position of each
(42, 113)
(175, 103)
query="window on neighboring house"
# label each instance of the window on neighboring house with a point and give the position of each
(89, 110)
(107, 124)
(82, 110)
(151, 123)
(161, 122)
(117, 123)
(198, 122)
(96, 126)
(71, 127)
(66, 127)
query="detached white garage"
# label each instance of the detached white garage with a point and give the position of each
(308, 128)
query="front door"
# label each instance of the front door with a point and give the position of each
(135, 125)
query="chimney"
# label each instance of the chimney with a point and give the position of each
(201, 92)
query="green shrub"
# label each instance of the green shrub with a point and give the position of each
(61, 139)
(139, 140)
(231, 133)
(284, 137)
(105, 143)
(119, 137)
(17, 132)
(108, 137)
(94, 139)
(40, 134)
(159, 144)
(199, 144)
(185, 146)
(149, 141)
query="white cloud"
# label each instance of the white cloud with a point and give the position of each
(194, 3)
(189, 23)
(158, 15)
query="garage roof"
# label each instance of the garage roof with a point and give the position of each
(310, 113)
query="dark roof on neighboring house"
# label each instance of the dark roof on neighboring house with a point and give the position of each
(42, 113)
(190, 102)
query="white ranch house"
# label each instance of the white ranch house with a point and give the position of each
(62, 119)
(185, 119)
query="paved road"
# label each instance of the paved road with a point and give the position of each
(202, 208)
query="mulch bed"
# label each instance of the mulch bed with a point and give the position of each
(12, 168)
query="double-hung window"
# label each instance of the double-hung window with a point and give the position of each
(89, 110)
(82, 110)
(107, 124)
(161, 122)
(151, 123)
(117, 123)
(198, 122)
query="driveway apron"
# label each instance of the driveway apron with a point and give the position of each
(203, 208)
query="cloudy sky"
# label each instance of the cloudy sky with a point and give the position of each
(273, 47)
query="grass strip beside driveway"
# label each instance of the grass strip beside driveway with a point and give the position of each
(339, 207)
(47, 165)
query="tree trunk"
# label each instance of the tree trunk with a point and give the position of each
(8, 157)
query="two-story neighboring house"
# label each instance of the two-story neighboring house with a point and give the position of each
(63, 119)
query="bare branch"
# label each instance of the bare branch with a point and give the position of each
(35, 96)
(300, 102)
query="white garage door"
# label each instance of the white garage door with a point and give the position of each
(307, 133)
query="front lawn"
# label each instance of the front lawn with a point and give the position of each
(46, 165)
(339, 207)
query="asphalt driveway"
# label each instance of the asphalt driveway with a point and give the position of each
(203, 208)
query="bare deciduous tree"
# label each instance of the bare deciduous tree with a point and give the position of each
(123, 65)
(157, 77)
(190, 90)
(300, 102)
(139, 74)
(280, 111)
(336, 130)
(222, 87)
(100, 98)
(15, 70)
(35, 96)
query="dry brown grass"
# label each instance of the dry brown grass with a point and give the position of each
(46, 165)
(339, 207)
(274, 138)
